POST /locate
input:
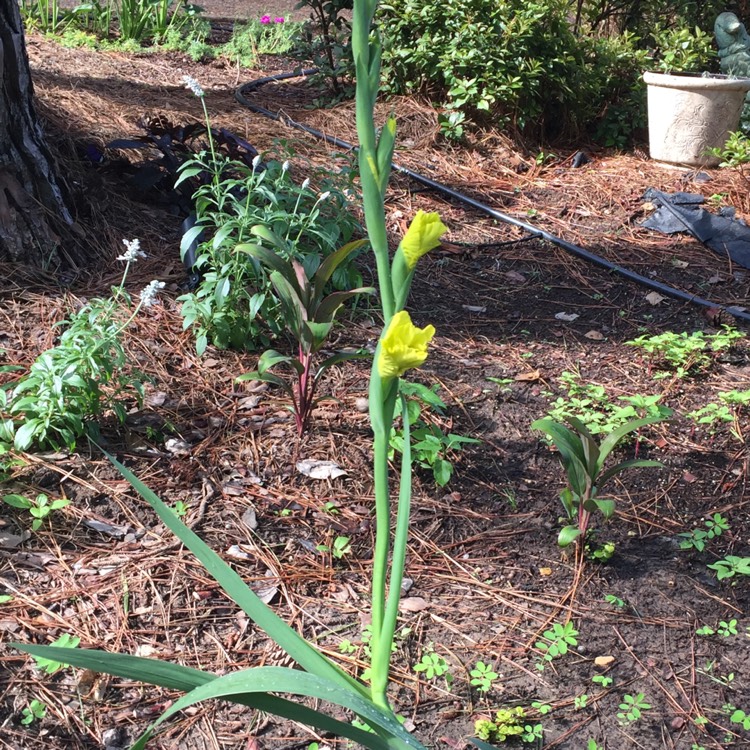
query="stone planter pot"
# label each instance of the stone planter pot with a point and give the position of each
(688, 114)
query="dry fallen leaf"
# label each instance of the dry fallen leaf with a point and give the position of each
(566, 317)
(9, 540)
(320, 469)
(106, 528)
(413, 604)
(604, 661)
(157, 398)
(654, 298)
(516, 277)
(238, 553)
(545, 571)
(594, 335)
(688, 477)
(527, 377)
(250, 519)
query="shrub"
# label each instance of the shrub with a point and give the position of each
(326, 41)
(264, 36)
(516, 61)
(685, 51)
(234, 304)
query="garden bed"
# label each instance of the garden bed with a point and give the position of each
(487, 576)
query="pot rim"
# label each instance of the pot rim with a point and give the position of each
(697, 81)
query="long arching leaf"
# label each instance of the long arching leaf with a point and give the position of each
(571, 451)
(271, 260)
(631, 463)
(614, 437)
(331, 263)
(287, 638)
(185, 679)
(285, 680)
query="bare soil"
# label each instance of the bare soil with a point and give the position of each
(487, 576)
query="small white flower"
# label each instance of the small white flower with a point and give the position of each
(133, 251)
(193, 85)
(324, 196)
(150, 292)
(306, 183)
(256, 161)
(285, 166)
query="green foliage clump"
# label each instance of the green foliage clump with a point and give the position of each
(519, 62)
(308, 314)
(591, 404)
(234, 305)
(38, 509)
(265, 36)
(684, 51)
(431, 447)
(735, 153)
(583, 460)
(72, 384)
(326, 42)
(697, 538)
(508, 724)
(684, 354)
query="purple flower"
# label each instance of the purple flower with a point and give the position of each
(278, 19)
(265, 19)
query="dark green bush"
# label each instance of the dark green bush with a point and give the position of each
(512, 62)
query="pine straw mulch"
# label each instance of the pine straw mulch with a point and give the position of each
(486, 575)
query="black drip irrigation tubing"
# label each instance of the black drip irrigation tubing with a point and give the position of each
(533, 232)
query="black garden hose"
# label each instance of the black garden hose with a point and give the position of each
(533, 232)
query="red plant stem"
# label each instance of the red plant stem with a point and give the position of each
(305, 391)
(584, 517)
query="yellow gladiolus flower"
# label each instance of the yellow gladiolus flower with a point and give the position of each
(403, 346)
(423, 235)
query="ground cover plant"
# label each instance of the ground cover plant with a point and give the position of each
(487, 596)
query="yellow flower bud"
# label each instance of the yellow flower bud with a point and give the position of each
(423, 235)
(403, 346)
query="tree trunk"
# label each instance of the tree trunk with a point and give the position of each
(34, 219)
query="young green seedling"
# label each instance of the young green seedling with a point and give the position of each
(39, 508)
(50, 665)
(583, 460)
(632, 708)
(482, 677)
(556, 642)
(697, 538)
(35, 710)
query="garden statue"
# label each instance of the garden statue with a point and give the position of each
(733, 42)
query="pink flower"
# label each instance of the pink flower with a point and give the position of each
(278, 19)
(265, 19)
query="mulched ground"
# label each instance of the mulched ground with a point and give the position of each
(487, 576)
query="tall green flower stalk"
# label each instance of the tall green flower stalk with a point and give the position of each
(401, 346)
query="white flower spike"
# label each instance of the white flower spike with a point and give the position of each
(133, 251)
(192, 85)
(150, 292)
(306, 183)
(256, 162)
(285, 166)
(324, 196)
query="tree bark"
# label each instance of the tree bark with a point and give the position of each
(34, 215)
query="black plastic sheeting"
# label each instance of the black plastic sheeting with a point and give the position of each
(682, 212)
(241, 93)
